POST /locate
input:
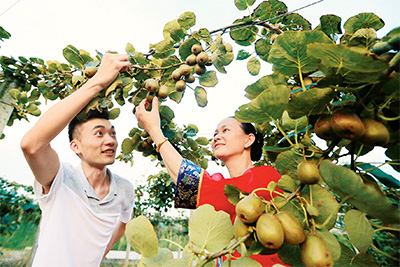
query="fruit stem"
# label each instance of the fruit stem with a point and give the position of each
(293, 195)
(282, 132)
(158, 68)
(384, 253)
(302, 81)
(172, 242)
(227, 250)
(10, 104)
(380, 115)
(386, 228)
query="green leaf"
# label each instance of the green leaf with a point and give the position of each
(167, 113)
(201, 96)
(113, 86)
(244, 35)
(210, 229)
(365, 197)
(114, 113)
(127, 146)
(71, 54)
(176, 96)
(253, 90)
(289, 52)
(363, 259)
(330, 25)
(295, 22)
(187, 20)
(173, 31)
(186, 48)
(391, 34)
(287, 162)
(290, 255)
(393, 153)
(346, 255)
(202, 141)
(353, 66)
(140, 59)
(242, 54)
(163, 256)
(4, 34)
(164, 49)
(253, 66)
(269, 10)
(262, 48)
(233, 193)
(290, 124)
(129, 49)
(310, 102)
(267, 106)
(365, 38)
(141, 236)
(287, 183)
(359, 229)
(363, 20)
(382, 176)
(244, 4)
(209, 79)
(325, 203)
(332, 243)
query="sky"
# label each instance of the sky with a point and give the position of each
(42, 28)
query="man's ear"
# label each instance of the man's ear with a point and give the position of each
(74, 145)
(250, 140)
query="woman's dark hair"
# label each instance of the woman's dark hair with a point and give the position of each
(256, 147)
(92, 114)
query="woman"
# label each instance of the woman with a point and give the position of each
(236, 144)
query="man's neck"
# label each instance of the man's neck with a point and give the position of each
(98, 178)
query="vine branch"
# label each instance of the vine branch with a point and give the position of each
(227, 250)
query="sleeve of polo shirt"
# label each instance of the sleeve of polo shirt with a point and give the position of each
(55, 185)
(126, 214)
(187, 185)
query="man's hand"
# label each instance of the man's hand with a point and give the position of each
(110, 66)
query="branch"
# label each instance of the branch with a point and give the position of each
(262, 23)
(293, 195)
(227, 250)
(331, 147)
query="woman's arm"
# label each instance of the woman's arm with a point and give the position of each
(150, 121)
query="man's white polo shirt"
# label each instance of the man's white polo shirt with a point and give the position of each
(76, 225)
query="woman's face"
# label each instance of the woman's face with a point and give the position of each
(230, 139)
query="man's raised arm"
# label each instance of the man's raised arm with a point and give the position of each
(42, 159)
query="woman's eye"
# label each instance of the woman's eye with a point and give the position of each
(113, 133)
(99, 133)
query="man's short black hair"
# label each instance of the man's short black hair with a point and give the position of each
(92, 114)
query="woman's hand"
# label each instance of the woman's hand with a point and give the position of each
(149, 120)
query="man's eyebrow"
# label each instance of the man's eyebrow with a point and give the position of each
(101, 126)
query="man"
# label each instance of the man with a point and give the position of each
(84, 208)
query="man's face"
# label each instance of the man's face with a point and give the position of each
(95, 142)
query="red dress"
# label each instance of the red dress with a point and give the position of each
(196, 187)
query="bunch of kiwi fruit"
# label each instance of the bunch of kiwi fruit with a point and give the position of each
(274, 229)
(195, 63)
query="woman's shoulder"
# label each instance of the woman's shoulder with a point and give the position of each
(263, 168)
